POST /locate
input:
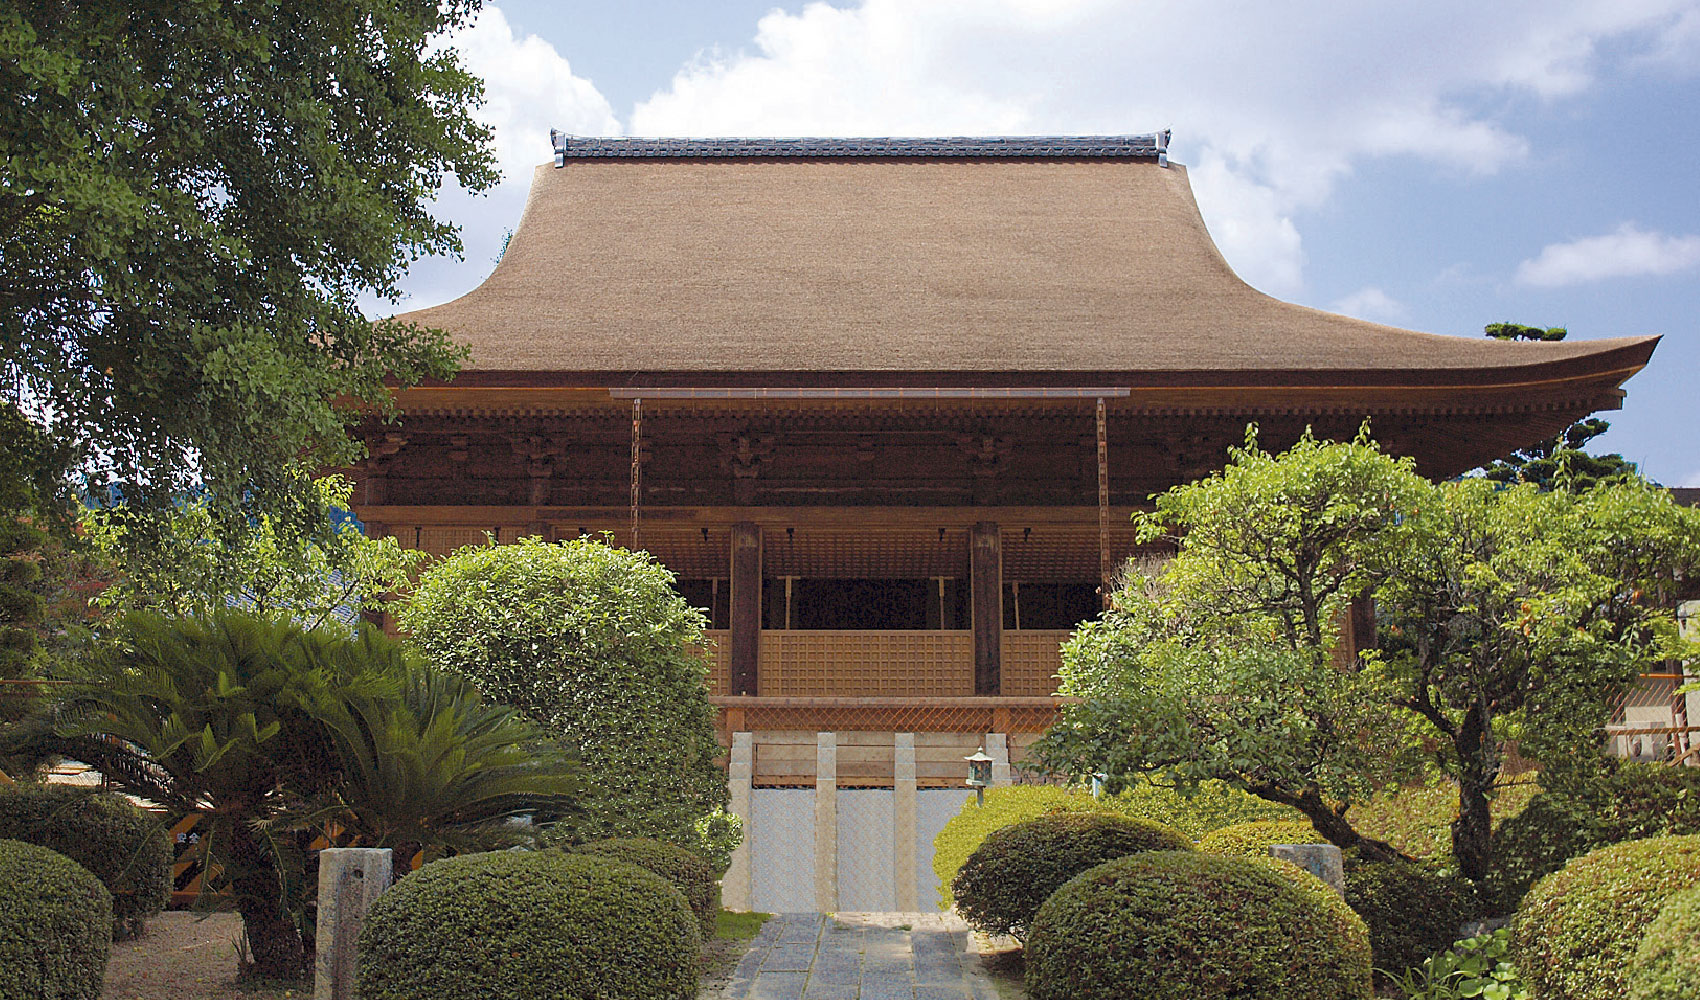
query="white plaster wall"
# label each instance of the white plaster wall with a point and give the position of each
(781, 840)
(865, 850)
(933, 809)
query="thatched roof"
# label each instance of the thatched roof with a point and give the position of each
(936, 262)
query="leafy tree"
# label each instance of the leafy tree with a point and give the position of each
(312, 576)
(1513, 612)
(1222, 666)
(592, 643)
(194, 196)
(1559, 462)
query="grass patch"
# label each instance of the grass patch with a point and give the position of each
(1417, 819)
(732, 925)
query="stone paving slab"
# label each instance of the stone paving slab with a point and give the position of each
(861, 956)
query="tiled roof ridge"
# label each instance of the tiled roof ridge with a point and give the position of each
(1149, 146)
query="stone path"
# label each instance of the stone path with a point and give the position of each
(861, 956)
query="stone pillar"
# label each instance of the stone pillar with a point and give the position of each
(826, 822)
(997, 748)
(740, 771)
(350, 878)
(985, 571)
(903, 822)
(1322, 860)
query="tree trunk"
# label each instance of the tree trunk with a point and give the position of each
(1478, 769)
(275, 947)
(1332, 826)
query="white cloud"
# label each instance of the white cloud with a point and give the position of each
(1626, 253)
(528, 88)
(1272, 103)
(1372, 304)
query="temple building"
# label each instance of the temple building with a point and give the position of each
(885, 406)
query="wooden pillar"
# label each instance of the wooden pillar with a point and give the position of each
(986, 581)
(746, 605)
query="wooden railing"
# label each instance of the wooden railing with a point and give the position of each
(872, 664)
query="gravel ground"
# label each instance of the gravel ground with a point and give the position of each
(183, 956)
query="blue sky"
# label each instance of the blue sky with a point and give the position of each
(1437, 166)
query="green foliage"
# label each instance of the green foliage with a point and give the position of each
(1576, 933)
(1221, 666)
(714, 838)
(684, 870)
(1480, 966)
(592, 643)
(529, 924)
(1536, 842)
(428, 764)
(1413, 909)
(1667, 961)
(1253, 840)
(195, 198)
(123, 846)
(184, 565)
(1192, 809)
(1010, 875)
(1627, 801)
(1177, 923)
(55, 925)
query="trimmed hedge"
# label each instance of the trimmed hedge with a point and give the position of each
(1667, 961)
(1252, 840)
(1009, 876)
(55, 925)
(1168, 924)
(124, 846)
(530, 924)
(1577, 930)
(1211, 806)
(1413, 909)
(687, 872)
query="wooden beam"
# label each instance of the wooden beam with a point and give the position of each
(746, 605)
(986, 580)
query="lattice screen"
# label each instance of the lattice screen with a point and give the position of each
(866, 664)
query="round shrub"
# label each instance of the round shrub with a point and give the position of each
(1252, 840)
(687, 872)
(1577, 930)
(1170, 924)
(1008, 877)
(1667, 962)
(125, 847)
(55, 925)
(1413, 909)
(1212, 805)
(529, 924)
(592, 643)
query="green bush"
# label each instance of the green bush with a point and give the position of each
(1576, 932)
(1648, 800)
(1667, 961)
(1010, 874)
(1413, 909)
(715, 837)
(55, 925)
(1536, 842)
(1168, 924)
(1252, 840)
(1211, 806)
(593, 644)
(686, 871)
(530, 924)
(1479, 966)
(125, 847)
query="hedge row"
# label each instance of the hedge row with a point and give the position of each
(125, 847)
